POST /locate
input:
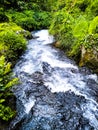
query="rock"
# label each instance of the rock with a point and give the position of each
(25, 33)
(89, 57)
(57, 44)
(37, 77)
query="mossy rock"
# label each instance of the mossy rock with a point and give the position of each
(5, 27)
(89, 57)
(12, 41)
(57, 44)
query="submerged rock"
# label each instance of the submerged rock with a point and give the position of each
(58, 111)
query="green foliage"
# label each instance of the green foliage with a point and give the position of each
(6, 113)
(11, 44)
(15, 43)
(91, 41)
(29, 19)
(61, 27)
(93, 28)
(23, 5)
(5, 84)
(5, 74)
(30, 15)
(93, 7)
(80, 28)
(75, 23)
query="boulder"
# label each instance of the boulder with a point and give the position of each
(89, 57)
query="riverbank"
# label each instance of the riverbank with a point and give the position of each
(17, 18)
(75, 27)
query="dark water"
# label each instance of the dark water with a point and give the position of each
(53, 94)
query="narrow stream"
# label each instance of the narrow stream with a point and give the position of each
(53, 94)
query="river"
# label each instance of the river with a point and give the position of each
(54, 93)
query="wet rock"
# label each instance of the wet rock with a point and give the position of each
(64, 115)
(37, 77)
(47, 69)
(85, 71)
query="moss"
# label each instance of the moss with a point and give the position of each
(57, 44)
(89, 57)
(5, 27)
(12, 41)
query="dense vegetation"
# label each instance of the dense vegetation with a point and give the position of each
(75, 25)
(16, 17)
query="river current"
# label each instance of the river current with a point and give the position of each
(54, 93)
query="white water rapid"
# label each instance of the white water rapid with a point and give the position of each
(53, 94)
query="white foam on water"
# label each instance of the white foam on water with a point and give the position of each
(92, 76)
(56, 63)
(40, 53)
(28, 105)
(44, 37)
(28, 68)
(89, 110)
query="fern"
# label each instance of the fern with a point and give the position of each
(93, 25)
(81, 27)
(5, 84)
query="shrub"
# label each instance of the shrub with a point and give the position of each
(93, 28)
(15, 43)
(75, 23)
(12, 43)
(5, 84)
(30, 20)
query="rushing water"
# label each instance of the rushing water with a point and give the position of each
(53, 94)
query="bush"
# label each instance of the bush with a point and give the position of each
(5, 84)
(12, 43)
(75, 24)
(15, 44)
(30, 20)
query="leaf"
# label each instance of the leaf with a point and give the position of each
(2, 100)
(93, 25)
(11, 83)
(7, 68)
(81, 27)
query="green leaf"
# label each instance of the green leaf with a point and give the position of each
(93, 25)
(11, 83)
(2, 100)
(81, 27)
(7, 68)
